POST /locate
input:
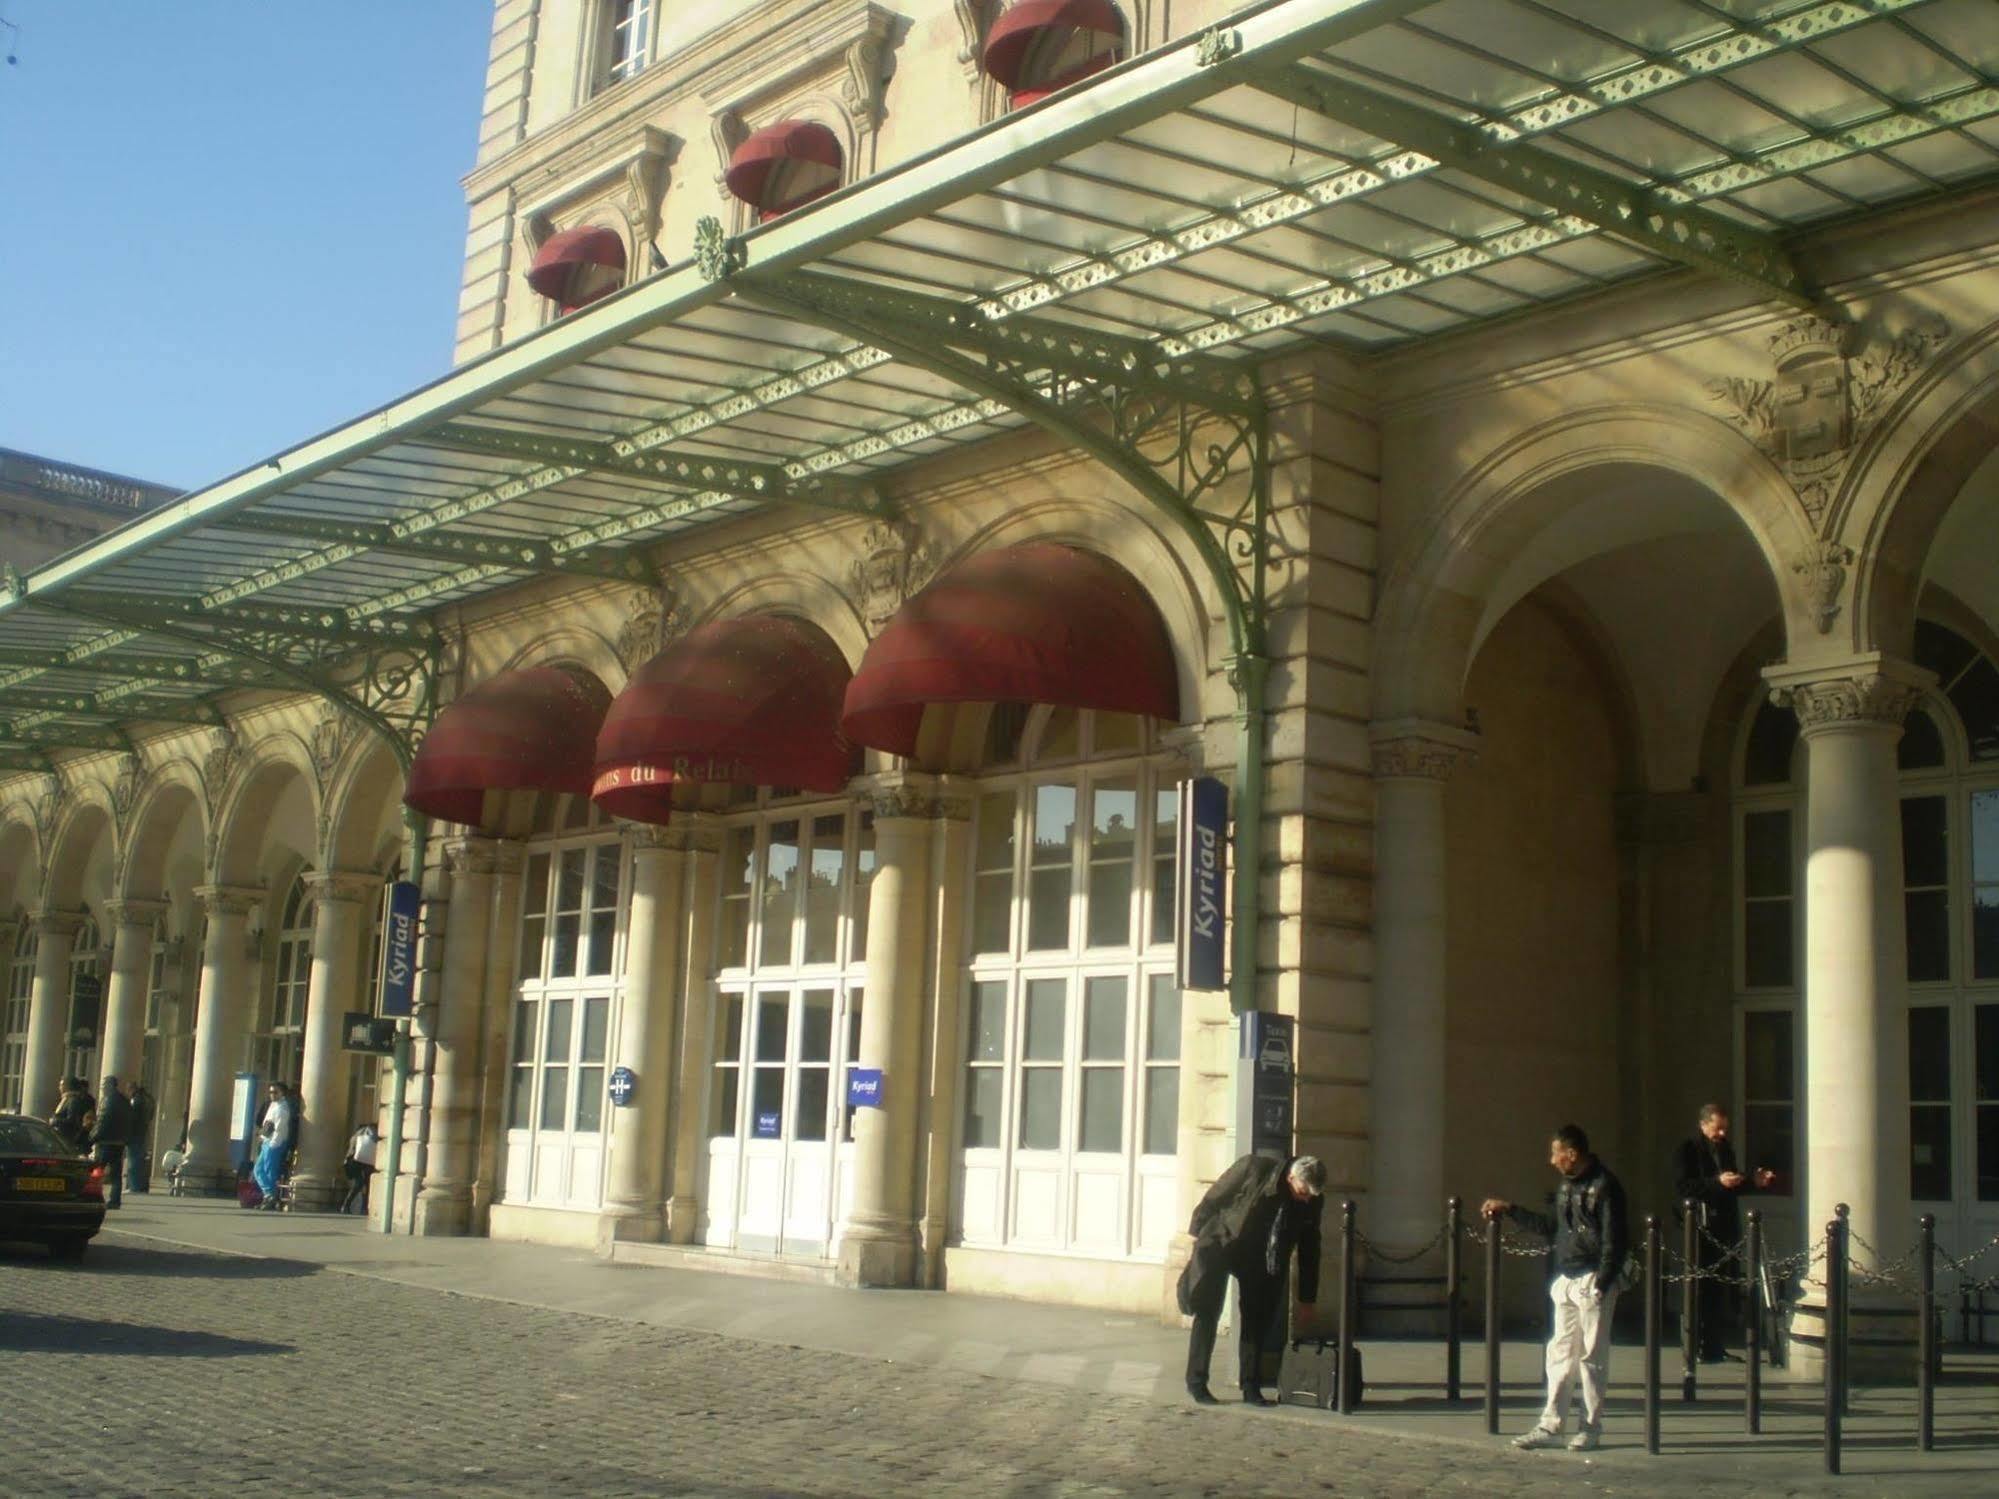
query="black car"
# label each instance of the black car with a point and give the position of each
(48, 1193)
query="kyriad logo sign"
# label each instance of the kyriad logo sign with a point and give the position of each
(398, 983)
(1201, 889)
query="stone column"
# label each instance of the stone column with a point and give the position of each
(945, 1054)
(635, 1202)
(495, 1026)
(48, 1011)
(879, 1239)
(688, 1127)
(341, 901)
(219, 1012)
(131, 923)
(444, 1202)
(1412, 761)
(1855, 979)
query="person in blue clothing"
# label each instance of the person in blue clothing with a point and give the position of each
(278, 1131)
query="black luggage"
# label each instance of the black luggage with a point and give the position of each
(1310, 1371)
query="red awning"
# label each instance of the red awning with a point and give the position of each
(1038, 46)
(753, 701)
(532, 729)
(578, 266)
(1034, 623)
(785, 165)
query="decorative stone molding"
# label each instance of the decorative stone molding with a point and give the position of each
(130, 912)
(56, 924)
(219, 764)
(1871, 690)
(1416, 749)
(472, 855)
(894, 563)
(629, 181)
(653, 617)
(912, 794)
(125, 787)
(331, 735)
(1824, 400)
(227, 900)
(972, 16)
(343, 886)
(1823, 568)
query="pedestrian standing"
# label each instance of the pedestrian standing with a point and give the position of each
(1705, 1174)
(76, 1113)
(275, 1143)
(1592, 1239)
(138, 1153)
(1247, 1226)
(109, 1138)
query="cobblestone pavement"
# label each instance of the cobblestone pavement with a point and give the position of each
(160, 1371)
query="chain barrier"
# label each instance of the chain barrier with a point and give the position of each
(1376, 1254)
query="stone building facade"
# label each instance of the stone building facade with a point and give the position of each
(1631, 740)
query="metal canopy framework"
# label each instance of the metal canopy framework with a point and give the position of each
(1110, 265)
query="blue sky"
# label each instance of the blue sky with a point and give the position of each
(227, 225)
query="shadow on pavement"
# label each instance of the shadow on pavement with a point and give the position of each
(38, 1332)
(104, 1258)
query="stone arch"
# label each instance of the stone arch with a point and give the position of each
(270, 816)
(82, 851)
(21, 865)
(571, 644)
(1438, 593)
(363, 806)
(171, 798)
(1905, 484)
(804, 596)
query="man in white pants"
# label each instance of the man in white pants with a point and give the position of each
(1592, 1238)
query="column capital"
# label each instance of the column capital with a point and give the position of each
(228, 900)
(343, 886)
(1862, 692)
(1420, 749)
(49, 922)
(130, 912)
(916, 795)
(473, 853)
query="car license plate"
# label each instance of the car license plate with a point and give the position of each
(40, 1184)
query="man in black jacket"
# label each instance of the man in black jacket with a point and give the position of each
(1592, 1237)
(1247, 1225)
(108, 1139)
(1705, 1174)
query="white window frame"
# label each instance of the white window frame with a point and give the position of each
(281, 1046)
(14, 1023)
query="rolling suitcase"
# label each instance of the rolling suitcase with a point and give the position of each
(1310, 1371)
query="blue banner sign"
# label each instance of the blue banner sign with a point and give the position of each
(1203, 882)
(1268, 1051)
(766, 1126)
(864, 1087)
(398, 980)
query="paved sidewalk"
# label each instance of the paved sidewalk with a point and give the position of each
(1112, 1354)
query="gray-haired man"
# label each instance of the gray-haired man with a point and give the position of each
(1247, 1226)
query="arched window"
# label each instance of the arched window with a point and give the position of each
(623, 44)
(1948, 765)
(86, 1004)
(1072, 1018)
(284, 1036)
(14, 1019)
(570, 958)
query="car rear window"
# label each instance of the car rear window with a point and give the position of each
(30, 1137)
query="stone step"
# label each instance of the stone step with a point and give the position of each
(723, 1262)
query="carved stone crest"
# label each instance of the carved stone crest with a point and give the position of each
(219, 764)
(1824, 400)
(894, 563)
(652, 618)
(330, 738)
(125, 786)
(46, 808)
(1824, 570)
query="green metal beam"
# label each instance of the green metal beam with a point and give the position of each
(1634, 211)
(320, 626)
(63, 738)
(518, 553)
(745, 480)
(21, 702)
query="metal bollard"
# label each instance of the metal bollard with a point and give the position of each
(1690, 1298)
(1926, 1338)
(1835, 1341)
(1844, 1215)
(1492, 1326)
(1348, 1307)
(1752, 1329)
(1454, 1222)
(1654, 1316)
